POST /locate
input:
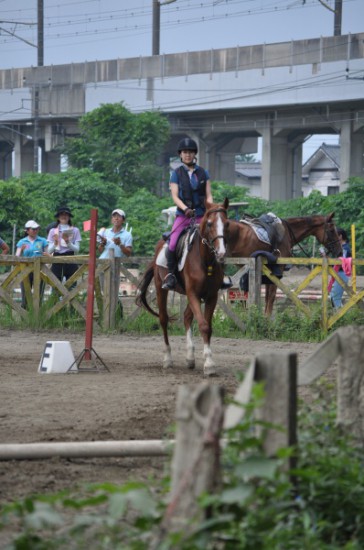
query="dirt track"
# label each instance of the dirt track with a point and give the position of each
(136, 400)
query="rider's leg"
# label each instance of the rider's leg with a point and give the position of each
(170, 280)
(179, 224)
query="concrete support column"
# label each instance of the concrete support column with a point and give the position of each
(51, 162)
(23, 157)
(276, 167)
(296, 163)
(345, 153)
(357, 155)
(6, 170)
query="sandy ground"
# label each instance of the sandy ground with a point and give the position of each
(135, 400)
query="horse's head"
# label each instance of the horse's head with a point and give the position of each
(214, 226)
(329, 237)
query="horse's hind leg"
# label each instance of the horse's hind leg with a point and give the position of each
(270, 295)
(190, 356)
(163, 320)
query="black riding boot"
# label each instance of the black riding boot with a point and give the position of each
(170, 280)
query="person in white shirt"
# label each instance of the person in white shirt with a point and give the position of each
(115, 238)
(64, 240)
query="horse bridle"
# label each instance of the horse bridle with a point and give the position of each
(293, 237)
(209, 243)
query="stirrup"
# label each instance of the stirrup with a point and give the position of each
(169, 282)
(226, 283)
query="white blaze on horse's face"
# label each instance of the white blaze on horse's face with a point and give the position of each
(220, 241)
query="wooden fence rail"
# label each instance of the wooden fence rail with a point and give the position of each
(74, 292)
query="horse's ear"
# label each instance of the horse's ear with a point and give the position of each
(226, 203)
(330, 216)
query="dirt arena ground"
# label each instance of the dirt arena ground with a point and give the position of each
(135, 400)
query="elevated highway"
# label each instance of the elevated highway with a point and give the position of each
(225, 99)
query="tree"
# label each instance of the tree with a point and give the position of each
(122, 146)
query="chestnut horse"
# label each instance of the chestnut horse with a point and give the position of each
(200, 280)
(243, 242)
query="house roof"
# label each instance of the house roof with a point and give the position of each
(331, 152)
(250, 170)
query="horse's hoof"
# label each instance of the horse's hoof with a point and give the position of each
(209, 371)
(167, 364)
(191, 363)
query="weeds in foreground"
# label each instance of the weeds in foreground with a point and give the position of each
(259, 506)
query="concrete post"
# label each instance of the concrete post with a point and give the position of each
(51, 162)
(276, 167)
(23, 156)
(5, 161)
(345, 146)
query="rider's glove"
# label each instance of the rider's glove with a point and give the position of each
(189, 213)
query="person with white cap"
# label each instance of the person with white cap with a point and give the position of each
(29, 246)
(115, 238)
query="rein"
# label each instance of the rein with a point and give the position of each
(295, 242)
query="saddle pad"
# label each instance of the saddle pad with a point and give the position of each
(260, 232)
(161, 259)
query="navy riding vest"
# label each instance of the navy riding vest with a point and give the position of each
(192, 198)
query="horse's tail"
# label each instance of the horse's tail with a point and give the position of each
(141, 299)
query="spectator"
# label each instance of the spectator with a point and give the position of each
(115, 238)
(343, 270)
(30, 246)
(64, 240)
(4, 247)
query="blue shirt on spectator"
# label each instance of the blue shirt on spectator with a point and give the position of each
(32, 248)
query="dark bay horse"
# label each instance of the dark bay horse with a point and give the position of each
(200, 280)
(243, 242)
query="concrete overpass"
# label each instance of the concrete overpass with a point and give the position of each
(224, 98)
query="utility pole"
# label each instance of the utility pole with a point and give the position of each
(40, 63)
(338, 17)
(157, 24)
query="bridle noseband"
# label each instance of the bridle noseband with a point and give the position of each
(209, 243)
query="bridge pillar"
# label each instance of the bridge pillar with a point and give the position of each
(277, 167)
(51, 162)
(23, 156)
(351, 153)
(6, 170)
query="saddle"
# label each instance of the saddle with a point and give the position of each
(184, 245)
(268, 228)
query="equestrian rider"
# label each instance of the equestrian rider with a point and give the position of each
(190, 189)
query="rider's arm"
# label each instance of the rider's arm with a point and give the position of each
(177, 201)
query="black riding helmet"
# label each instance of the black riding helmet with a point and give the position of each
(187, 144)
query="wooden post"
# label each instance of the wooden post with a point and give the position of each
(278, 371)
(195, 465)
(255, 281)
(114, 289)
(350, 403)
(36, 288)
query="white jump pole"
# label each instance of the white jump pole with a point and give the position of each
(85, 449)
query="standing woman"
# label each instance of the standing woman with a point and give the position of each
(64, 240)
(30, 246)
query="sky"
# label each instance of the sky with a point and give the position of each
(88, 30)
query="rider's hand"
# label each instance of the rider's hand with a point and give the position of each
(189, 213)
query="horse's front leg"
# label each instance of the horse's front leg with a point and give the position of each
(190, 356)
(270, 296)
(209, 365)
(204, 325)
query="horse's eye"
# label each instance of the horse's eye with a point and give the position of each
(209, 223)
